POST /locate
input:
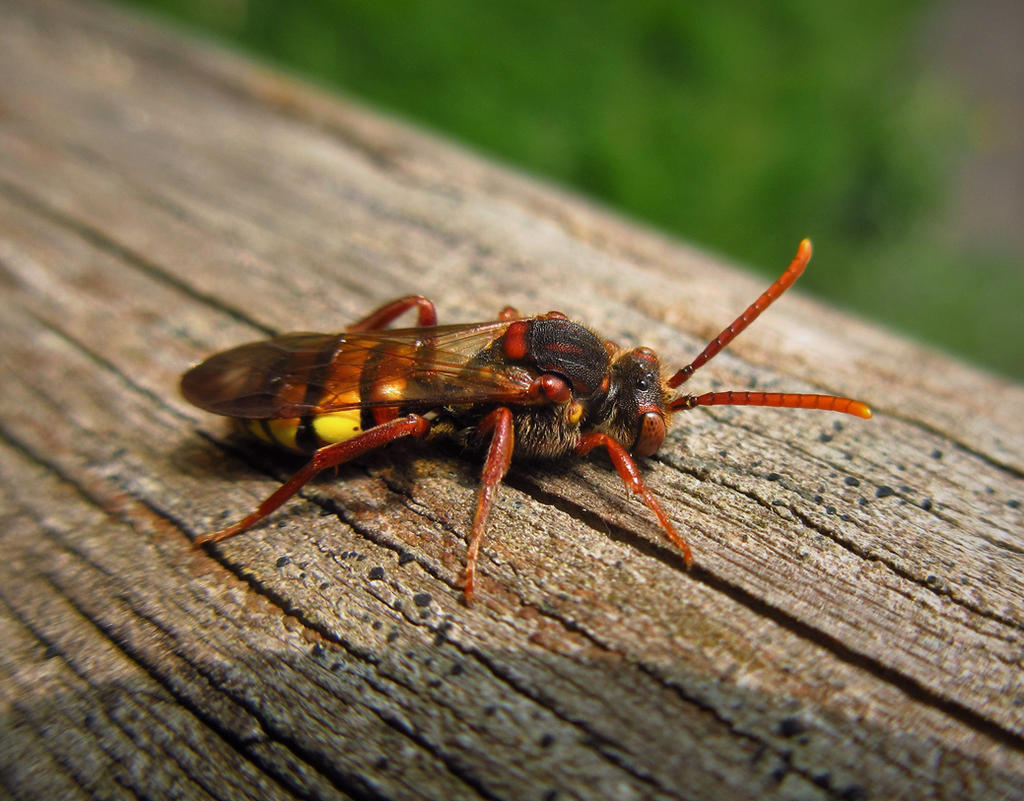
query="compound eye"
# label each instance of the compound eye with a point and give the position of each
(650, 434)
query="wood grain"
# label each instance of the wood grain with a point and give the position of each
(852, 628)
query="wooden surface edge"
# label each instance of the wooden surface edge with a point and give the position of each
(853, 626)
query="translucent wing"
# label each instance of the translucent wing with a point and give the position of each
(299, 374)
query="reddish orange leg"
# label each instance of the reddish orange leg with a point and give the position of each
(630, 475)
(328, 456)
(426, 314)
(499, 457)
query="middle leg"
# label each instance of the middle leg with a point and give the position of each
(499, 456)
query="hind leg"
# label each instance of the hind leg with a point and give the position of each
(426, 314)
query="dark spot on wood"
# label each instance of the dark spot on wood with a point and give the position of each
(884, 491)
(422, 599)
(442, 633)
(791, 726)
(405, 557)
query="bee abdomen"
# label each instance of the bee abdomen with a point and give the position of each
(307, 434)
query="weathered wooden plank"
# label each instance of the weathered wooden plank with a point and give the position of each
(853, 626)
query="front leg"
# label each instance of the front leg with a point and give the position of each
(630, 475)
(499, 457)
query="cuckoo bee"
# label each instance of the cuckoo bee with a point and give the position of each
(539, 387)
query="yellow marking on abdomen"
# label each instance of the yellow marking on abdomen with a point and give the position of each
(330, 427)
(338, 426)
(255, 427)
(278, 432)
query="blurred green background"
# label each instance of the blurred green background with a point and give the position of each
(739, 126)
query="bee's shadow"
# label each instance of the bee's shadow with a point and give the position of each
(233, 455)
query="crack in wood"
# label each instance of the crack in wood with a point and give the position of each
(101, 240)
(819, 637)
